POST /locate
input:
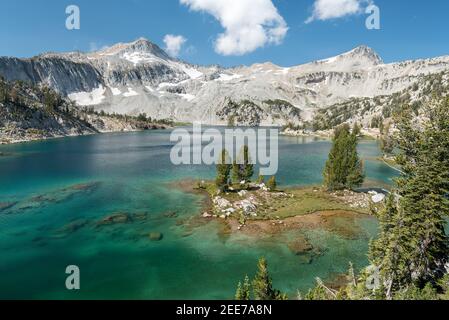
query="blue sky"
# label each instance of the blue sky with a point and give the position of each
(409, 29)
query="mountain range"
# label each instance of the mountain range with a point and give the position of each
(139, 77)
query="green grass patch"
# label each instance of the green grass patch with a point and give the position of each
(305, 201)
(277, 205)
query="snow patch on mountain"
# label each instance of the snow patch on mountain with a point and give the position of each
(130, 93)
(92, 98)
(228, 77)
(116, 91)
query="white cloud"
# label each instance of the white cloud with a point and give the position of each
(248, 24)
(173, 44)
(332, 9)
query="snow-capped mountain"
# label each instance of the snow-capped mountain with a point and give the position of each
(130, 78)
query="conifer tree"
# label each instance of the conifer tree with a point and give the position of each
(243, 170)
(343, 169)
(386, 140)
(243, 290)
(223, 170)
(236, 176)
(356, 129)
(412, 248)
(263, 285)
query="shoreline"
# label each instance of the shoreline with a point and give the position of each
(87, 134)
(327, 134)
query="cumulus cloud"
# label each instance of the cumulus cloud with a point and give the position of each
(248, 24)
(333, 9)
(173, 44)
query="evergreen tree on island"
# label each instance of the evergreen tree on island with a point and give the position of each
(243, 170)
(344, 169)
(223, 170)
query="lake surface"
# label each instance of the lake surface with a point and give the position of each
(53, 193)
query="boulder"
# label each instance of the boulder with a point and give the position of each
(243, 193)
(379, 197)
(207, 215)
(115, 218)
(155, 236)
(222, 203)
(247, 206)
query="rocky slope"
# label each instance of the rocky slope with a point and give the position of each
(140, 77)
(427, 91)
(31, 113)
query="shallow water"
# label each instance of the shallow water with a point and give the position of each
(44, 186)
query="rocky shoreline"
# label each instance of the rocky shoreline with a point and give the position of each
(100, 125)
(260, 213)
(327, 134)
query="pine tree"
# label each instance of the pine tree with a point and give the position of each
(386, 140)
(223, 170)
(247, 167)
(343, 169)
(412, 248)
(243, 290)
(356, 129)
(3, 91)
(243, 170)
(236, 176)
(263, 285)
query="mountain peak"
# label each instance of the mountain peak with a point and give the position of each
(361, 56)
(366, 52)
(141, 45)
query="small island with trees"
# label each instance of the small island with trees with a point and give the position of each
(237, 197)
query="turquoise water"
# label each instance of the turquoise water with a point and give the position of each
(54, 193)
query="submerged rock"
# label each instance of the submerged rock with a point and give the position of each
(84, 186)
(116, 218)
(300, 246)
(6, 205)
(156, 236)
(55, 197)
(170, 214)
(72, 227)
(140, 216)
